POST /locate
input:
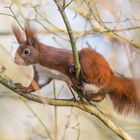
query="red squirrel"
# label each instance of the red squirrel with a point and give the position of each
(97, 80)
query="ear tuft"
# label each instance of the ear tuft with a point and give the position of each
(30, 34)
(17, 34)
(32, 42)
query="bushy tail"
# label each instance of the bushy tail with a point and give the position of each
(124, 95)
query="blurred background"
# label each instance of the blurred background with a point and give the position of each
(111, 28)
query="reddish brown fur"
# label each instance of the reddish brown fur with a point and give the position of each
(30, 33)
(94, 70)
(124, 94)
(94, 67)
(58, 59)
(122, 91)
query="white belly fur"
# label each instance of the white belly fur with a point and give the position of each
(91, 88)
(45, 74)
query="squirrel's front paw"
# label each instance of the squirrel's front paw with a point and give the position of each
(20, 88)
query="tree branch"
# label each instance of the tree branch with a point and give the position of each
(71, 36)
(13, 15)
(4, 80)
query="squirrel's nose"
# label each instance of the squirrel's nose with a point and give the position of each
(19, 61)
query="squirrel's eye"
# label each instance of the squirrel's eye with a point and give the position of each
(26, 51)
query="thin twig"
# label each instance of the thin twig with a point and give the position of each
(123, 29)
(40, 121)
(13, 15)
(55, 114)
(71, 36)
(67, 125)
(66, 5)
(72, 92)
(4, 14)
(77, 127)
(46, 19)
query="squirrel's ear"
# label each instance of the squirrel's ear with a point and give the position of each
(32, 41)
(17, 34)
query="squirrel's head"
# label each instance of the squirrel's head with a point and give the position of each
(28, 50)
